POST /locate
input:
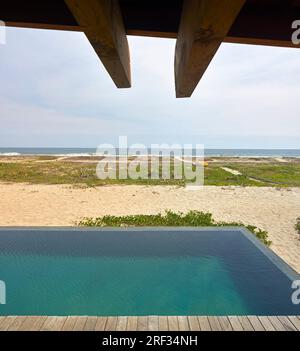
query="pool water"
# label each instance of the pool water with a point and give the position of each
(148, 271)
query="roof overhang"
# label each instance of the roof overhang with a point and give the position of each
(198, 25)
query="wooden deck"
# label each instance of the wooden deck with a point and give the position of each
(151, 323)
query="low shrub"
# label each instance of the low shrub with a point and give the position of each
(170, 219)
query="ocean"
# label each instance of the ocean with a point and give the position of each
(57, 151)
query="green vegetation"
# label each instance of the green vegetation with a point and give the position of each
(66, 173)
(297, 226)
(276, 174)
(215, 175)
(48, 170)
(169, 219)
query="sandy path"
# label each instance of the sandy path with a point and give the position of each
(59, 205)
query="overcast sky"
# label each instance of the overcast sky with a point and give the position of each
(54, 91)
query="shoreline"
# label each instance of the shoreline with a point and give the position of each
(95, 157)
(16, 154)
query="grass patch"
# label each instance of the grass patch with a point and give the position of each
(169, 219)
(215, 175)
(66, 172)
(271, 174)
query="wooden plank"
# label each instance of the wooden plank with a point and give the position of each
(183, 323)
(214, 323)
(203, 26)
(28, 323)
(227, 39)
(103, 25)
(276, 323)
(225, 324)
(132, 323)
(142, 323)
(69, 323)
(58, 324)
(49, 323)
(173, 323)
(121, 323)
(246, 325)
(287, 323)
(148, 33)
(90, 324)
(204, 323)
(101, 322)
(16, 324)
(259, 41)
(163, 323)
(2, 321)
(256, 324)
(80, 323)
(235, 323)
(153, 323)
(10, 320)
(268, 326)
(38, 323)
(111, 323)
(194, 323)
(6, 322)
(295, 321)
(43, 26)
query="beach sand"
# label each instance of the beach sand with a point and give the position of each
(271, 209)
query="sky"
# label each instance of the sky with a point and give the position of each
(55, 92)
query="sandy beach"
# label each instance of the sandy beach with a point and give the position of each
(271, 209)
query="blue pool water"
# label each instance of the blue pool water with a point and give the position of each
(142, 272)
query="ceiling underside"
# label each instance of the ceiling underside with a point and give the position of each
(259, 20)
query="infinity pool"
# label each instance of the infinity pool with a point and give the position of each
(161, 271)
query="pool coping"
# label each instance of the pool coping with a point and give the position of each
(272, 256)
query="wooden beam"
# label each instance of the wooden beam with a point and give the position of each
(43, 26)
(264, 42)
(204, 25)
(147, 33)
(102, 23)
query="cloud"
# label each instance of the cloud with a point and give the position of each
(54, 91)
